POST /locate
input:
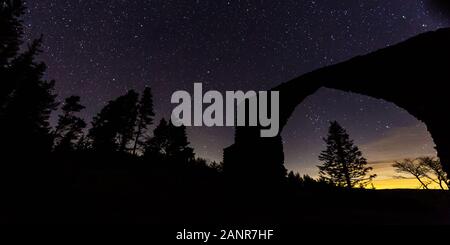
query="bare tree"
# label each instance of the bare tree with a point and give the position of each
(435, 168)
(426, 170)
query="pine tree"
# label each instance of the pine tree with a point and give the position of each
(157, 146)
(11, 30)
(145, 118)
(113, 128)
(24, 118)
(169, 144)
(70, 127)
(179, 150)
(343, 163)
(127, 107)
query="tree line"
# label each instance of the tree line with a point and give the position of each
(27, 101)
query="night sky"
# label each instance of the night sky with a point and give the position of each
(100, 49)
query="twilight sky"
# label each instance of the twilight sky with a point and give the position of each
(99, 49)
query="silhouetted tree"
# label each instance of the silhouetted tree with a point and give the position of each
(179, 150)
(25, 113)
(343, 164)
(306, 181)
(169, 143)
(83, 143)
(417, 170)
(11, 30)
(157, 146)
(425, 169)
(294, 179)
(70, 127)
(113, 128)
(217, 166)
(144, 119)
(437, 174)
(127, 119)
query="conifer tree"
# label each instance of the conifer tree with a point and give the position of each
(24, 116)
(11, 27)
(11, 30)
(144, 118)
(169, 144)
(343, 163)
(157, 146)
(70, 127)
(179, 150)
(113, 128)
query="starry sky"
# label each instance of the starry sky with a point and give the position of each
(99, 49)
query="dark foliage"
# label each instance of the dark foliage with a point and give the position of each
(113, 128)
(169, 144)
(144, 119)
(307, 182)
(69, 130)
(10, 40)
(343, 163)
(24, 114)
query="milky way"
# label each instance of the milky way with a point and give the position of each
(100, 49)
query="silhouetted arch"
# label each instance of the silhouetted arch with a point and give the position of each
(414, 75)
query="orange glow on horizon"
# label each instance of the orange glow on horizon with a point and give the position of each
(387, 178)
(400, 184)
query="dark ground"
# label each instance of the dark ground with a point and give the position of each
(79, 192)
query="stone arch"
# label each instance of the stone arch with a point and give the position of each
(414, 75)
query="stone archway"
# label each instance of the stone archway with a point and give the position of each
(414, 75)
